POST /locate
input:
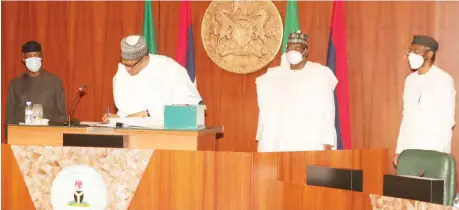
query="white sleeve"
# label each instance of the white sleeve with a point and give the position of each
(183, 91)
(446, 105)
(118, 98)
(156, 112)
(401, 139)
(180, 90)
(328, 98)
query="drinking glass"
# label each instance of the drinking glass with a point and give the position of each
(37, 112)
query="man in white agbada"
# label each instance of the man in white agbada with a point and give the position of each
(296, 103)
(145, 83)
(429, 101)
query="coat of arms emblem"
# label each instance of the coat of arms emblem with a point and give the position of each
(242, 36)
(78, 187)
(78, 196)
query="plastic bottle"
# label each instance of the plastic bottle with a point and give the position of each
(28, 113)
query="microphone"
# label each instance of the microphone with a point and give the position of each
(81, 88)
(74, 104)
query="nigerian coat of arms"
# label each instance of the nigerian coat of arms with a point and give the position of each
(242, 36)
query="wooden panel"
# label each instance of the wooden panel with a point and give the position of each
(372, 177)
(298, 196)
(15, 194)
(290, 169)
(51, 136)
(163, 141)
(291, 166)
(214, 180)
(207, 142)
(232, 180)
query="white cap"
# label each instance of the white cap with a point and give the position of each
(133, 47)
(29, 103)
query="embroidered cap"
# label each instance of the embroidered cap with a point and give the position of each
(297, 38)
(133, 47)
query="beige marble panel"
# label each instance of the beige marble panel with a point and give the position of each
(121, 169)
(379, 202)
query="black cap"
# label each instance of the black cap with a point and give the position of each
(426, 41)
(31, 46)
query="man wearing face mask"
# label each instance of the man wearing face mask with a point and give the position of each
(37, 86)
(296, 103)
(145, 83)
(429, 102)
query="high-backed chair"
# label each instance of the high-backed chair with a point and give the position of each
(433, 164)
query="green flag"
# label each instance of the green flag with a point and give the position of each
(149, 27)
(291, 22)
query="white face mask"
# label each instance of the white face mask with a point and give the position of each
(294, 57)
(415, 60)
(33, 64)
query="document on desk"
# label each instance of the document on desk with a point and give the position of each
(139, 122)
(97, 124)
(136, 122)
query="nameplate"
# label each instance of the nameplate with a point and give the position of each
(414, 188)
(95, 140)
(345, 179)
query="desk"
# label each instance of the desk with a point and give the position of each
(204, 139)
(203, 180)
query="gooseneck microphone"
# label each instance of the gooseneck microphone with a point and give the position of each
(75, 102)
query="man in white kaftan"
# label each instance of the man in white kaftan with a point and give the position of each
(145, 83)
(296, 103)
(428, 102)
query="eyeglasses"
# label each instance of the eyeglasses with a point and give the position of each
(131, 66)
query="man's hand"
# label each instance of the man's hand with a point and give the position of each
(105, 117)
(327, 147)
(139, 114)
(395, 162)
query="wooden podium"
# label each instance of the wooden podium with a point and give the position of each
(197, 180)
(204, 139)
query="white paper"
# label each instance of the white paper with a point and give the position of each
(142, 122)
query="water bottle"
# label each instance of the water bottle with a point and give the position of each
(456, 201)
(28, 113)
